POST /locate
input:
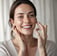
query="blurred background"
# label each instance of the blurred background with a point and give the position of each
(46, 14)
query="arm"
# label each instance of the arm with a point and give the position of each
(42, 52)
(20, 42)
(42, 37)
(51, 50)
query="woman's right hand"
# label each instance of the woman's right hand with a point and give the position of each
(21, 44)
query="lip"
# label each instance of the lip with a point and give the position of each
(27, 28)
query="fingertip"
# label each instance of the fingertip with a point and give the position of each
(45, 26)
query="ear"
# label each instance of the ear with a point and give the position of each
(11, 21)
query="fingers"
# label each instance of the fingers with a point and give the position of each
(16, 33)
(15, 29)
(42, 34)
(40, 40)
(18, 36)
(43, 29)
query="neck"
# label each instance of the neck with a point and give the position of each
(27, 39)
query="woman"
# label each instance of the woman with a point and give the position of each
(23, 20)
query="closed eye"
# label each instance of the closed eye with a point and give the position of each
(20, 16)
(32, 15)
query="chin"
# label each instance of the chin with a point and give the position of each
(27, 33)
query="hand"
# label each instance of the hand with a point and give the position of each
(42, 37)
(20, 43)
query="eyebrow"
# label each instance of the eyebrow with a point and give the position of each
(25, 13)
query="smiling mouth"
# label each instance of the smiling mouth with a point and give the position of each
(27, 26)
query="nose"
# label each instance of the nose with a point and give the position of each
(26, 19)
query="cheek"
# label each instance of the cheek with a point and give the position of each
(34, 21)
(17, 23)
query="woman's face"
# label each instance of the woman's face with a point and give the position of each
(24, 19)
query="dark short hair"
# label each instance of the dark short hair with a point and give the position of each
(17, 3)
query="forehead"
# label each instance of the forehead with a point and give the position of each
(24, 8)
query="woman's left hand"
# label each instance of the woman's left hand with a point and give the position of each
(42, 37)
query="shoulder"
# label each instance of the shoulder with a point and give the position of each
(51, 48)
(3, 49)
(50, 44)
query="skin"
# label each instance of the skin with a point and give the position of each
(24, 42)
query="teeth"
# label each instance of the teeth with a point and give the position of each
(27, 27)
